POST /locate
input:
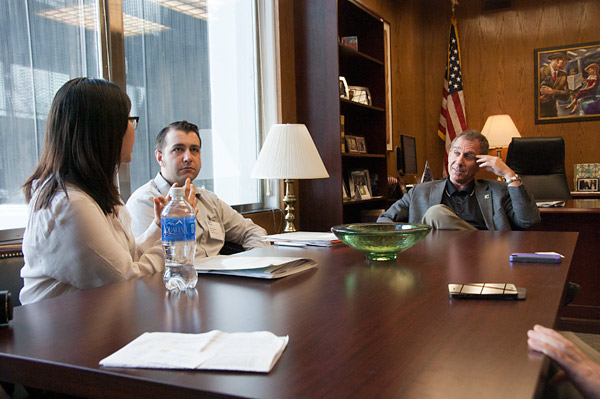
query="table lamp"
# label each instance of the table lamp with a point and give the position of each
(289, 153)
(499, 130)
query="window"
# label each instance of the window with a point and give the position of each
(187, 59)
(48, 45)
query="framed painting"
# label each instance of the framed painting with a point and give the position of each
(567, 83)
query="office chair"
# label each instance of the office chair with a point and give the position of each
(540, 162)
(11, 262)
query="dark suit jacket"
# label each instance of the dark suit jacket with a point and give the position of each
(503, 207)
(560, 86)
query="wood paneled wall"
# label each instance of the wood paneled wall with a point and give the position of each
(497, 65)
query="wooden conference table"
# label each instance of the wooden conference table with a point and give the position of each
(357, 329)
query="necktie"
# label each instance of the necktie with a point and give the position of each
(554, 76)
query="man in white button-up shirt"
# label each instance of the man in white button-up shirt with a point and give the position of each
(178, 154)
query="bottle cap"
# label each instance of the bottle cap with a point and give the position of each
(177, 192)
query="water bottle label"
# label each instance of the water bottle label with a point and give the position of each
(178, 229)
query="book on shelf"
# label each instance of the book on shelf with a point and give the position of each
(342, 133)
(265, 267)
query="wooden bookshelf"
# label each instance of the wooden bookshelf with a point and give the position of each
(320, 59)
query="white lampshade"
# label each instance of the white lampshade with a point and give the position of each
(499, 130)
(289, 153)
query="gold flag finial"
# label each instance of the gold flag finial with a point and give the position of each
(454, 3)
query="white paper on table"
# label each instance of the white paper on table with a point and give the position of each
(304, 238)
(228, 262)
(267, 267)
(214, 350)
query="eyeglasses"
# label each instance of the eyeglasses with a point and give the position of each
(134, 121)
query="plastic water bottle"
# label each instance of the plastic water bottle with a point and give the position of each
(178, 225)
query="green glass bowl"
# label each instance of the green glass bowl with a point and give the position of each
(381, 241)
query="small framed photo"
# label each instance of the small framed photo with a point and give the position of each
(350, 41)
(343, 86)
(587, 184)
(345, 194)
(359, 185)
(360, 145)
(351, 145)
(360, 94)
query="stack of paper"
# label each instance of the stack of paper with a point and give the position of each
(268, 267)
(304, 238)
(214, 350)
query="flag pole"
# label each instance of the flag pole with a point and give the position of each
(453, 118)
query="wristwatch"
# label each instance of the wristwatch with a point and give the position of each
(513, 179)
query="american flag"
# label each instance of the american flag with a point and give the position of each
(452, 115)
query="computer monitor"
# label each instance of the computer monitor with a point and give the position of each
(406, 155)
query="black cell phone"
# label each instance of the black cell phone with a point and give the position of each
(533, 257)
(486, 291)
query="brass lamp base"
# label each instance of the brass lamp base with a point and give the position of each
(290, 201)
(499, 155)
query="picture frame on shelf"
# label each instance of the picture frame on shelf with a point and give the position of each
(350, 41)
(360, 94)
(343, 88)
(345, 193)
(359, 184)
(369, 182)
(587, 184)
(351, 145)
(361, 146)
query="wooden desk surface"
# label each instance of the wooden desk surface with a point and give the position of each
(585, 194)
(573, 206)
(357, 329)
(582, 216)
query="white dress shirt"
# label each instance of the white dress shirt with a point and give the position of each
(72, 245)
(216, 222)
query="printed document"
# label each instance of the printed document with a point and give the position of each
(215, 350)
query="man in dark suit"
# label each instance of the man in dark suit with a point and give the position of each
(553, 84)
(460, 201)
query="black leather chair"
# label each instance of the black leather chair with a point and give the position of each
(11, 262)
(540, 161)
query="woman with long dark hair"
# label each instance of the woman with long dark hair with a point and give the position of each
(78, 234)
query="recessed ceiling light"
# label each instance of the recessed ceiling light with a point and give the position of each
(87, 16)
(194, 8)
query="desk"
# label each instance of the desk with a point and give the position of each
(583, 216)
(357, 329)
(585, 194)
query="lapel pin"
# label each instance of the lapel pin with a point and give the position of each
(487, 196)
